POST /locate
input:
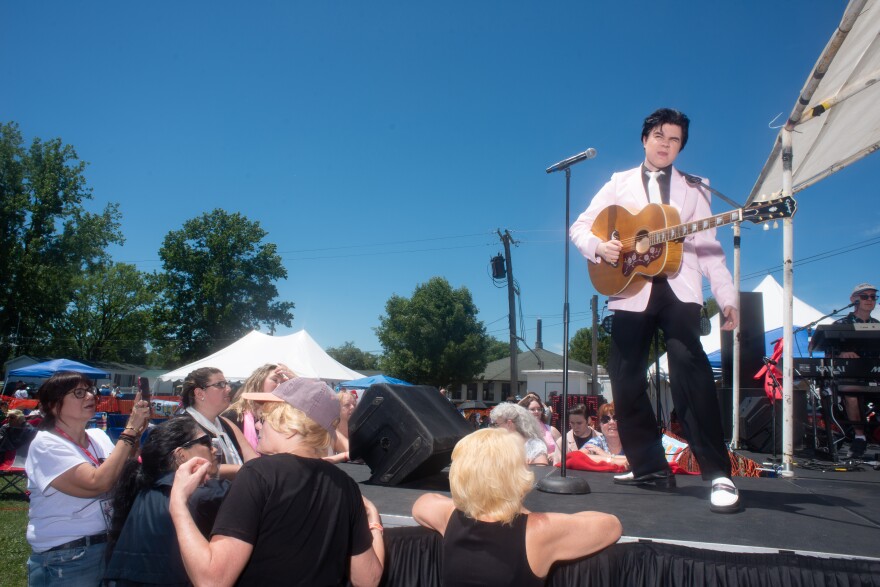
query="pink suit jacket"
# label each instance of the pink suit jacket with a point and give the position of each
(702, 254)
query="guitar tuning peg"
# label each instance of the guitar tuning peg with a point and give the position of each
(775, 224)
(766, 227)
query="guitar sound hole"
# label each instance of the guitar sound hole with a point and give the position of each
(642, 242)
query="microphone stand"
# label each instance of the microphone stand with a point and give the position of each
(551, 483)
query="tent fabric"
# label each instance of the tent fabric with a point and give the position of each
(773, 300)
(365, 382)
(841, 124)
(299, 351)
(48, 368)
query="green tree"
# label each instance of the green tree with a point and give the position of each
(434, 337)
(47, 238)
(580, 347)
(497, 350)
(217, 284)
(108, 317)
(354, 358)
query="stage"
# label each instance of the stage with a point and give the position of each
(825, 518)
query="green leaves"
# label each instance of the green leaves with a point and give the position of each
(434, 337)
(218, 284)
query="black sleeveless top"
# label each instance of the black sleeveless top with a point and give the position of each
(486, 553)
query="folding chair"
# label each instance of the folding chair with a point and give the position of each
(12, 471)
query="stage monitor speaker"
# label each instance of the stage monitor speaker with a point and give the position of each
(404, 432)
(751, 336)
(755, 422)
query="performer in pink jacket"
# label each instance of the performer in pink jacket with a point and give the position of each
(672, 303)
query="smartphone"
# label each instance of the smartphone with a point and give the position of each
(144, 388)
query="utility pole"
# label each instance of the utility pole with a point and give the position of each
(594, 383)
(511, 319)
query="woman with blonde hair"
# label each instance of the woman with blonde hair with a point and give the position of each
(339, 445)
(245, 413)
(485, 520)
(290, 517)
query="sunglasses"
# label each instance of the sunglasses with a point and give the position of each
(606, 418)
(204, 440)
(218, 385)
(80, 392)
(867, 297)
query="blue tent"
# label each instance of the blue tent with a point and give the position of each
(49, 368)
(365, 382)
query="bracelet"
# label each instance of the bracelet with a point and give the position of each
(127, 439)
(377, 526)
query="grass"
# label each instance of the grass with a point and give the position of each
(14, 548)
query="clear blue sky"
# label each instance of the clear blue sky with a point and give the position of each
(383, 143)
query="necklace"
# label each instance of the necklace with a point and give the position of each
(84, 450)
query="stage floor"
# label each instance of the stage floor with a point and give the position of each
(831, 513)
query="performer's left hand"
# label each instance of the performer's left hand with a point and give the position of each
(731, 318)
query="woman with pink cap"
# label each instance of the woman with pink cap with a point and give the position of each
(264, 533)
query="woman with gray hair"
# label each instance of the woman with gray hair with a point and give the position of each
(516, 418)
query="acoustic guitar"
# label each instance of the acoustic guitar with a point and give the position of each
(653, 240)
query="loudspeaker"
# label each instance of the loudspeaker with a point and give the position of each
(751, 336)
(404, 432)
(755, 421)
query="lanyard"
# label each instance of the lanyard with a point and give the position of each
(91, 457)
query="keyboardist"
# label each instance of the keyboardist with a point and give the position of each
(864, 298)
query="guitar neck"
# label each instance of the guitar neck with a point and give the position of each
(672, 233)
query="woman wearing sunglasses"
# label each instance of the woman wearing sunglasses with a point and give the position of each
(606, 447)
(206, 395)
(70, 471)
(141, 532)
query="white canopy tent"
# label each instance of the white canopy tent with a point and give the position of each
(835, 122)
(299, 351)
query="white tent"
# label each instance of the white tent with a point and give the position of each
(835, 122)
(299, 351)
(773, 302)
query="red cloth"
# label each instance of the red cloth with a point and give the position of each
(770, 368)
(580, 462)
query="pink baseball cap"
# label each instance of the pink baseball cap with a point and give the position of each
(313, 397)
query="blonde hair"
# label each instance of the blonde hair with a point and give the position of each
(253, 384)
(488, 477)
(15, 417)
(286, 419)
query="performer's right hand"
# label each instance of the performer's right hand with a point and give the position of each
(609, 250)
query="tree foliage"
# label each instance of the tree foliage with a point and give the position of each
(47, 238)
(108, 317)
(433, 337)
(497, 350)
(354, 358)
(580, 348)
(217, 284)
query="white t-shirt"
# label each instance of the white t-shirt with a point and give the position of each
(56, 517)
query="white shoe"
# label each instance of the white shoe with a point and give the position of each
(724, 498)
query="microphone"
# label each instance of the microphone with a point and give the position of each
(705, 323)
(565, 163)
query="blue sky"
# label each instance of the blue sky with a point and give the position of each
(381, 144)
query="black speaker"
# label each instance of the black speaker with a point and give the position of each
(404, 432)
(755, 422)
(751, 336)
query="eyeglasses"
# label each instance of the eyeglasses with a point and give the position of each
(867, 297)
(606, 418)
(80, 392)
(218, 385)
(204, 440)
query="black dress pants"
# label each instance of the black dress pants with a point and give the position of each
(692, 384)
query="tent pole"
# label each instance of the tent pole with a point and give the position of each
(787, 310)
(734, 400)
